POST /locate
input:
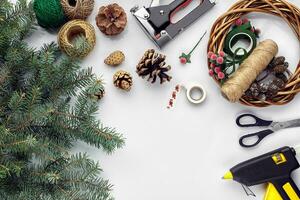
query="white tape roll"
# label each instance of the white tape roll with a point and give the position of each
(195, 88)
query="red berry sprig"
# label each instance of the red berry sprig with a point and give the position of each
(186, 58)
(216, 63)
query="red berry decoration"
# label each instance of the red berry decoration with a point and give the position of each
(217, 63)
(245, 20)
(186, 58)
(239, 22)
(217, 69)
(214, 57)
(222, 54)
(220, 60)
(221, 75)
(210, 54)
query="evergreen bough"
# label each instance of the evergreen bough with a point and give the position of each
(45, 107)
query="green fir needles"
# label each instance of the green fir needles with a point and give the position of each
(45, 107)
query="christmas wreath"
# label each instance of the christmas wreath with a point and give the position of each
(280, 8)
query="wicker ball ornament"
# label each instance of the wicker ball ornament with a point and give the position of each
(77, 9)
(281, 8)
(49, 13)
(76, 28)
(111, 19)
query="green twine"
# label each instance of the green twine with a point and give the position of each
(49, 13)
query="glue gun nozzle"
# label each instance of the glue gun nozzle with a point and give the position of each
(228, 176)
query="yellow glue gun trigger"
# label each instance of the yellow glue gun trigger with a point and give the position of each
(273, 194)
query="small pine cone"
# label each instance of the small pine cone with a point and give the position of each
(283, 77)
(280, 69)
(248, 95)
(115, 58)
(262, 97)
(263, 87)
(100, 94)
(96, 91)
(277, 61)
(279, 83)
(123, 80)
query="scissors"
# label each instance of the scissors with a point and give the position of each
(271, 127)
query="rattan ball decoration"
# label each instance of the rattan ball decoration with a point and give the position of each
(76, 28)
(77, 9)
(281, 8)
(49, 13)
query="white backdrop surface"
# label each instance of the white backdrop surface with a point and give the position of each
(180, 153)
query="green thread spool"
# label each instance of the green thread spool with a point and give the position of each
(237, 34)
(49, 13)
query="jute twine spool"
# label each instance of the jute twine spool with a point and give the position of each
(49, 13)
(72, 29)
(78, 9)
(235, 87)
(280, 8)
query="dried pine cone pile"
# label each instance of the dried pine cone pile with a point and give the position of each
(270, 81)
(111, 19)
(153, 65)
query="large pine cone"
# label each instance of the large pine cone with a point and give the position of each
(111, 19)
(153, 65)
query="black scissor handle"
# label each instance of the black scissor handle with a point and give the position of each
(259, 135)
(258, 121)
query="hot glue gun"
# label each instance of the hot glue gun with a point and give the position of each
(274, 168)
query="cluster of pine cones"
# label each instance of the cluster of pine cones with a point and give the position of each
(270, 81)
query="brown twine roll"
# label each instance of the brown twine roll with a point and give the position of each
(77, 9)
(234, 88)
(76, 28)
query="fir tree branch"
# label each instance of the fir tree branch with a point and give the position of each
(39, 123)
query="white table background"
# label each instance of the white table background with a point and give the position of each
(181, 153)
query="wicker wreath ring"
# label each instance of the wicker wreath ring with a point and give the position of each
(280, 8)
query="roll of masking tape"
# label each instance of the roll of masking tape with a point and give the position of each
(196, 88)
(239, 33)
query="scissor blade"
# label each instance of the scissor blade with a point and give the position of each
(292, 123)
(276, 126)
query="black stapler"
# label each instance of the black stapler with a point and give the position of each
(157, 19)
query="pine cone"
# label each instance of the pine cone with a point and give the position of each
(115, 58)
(96, 91)
(282, 77)
(277, 61)
(111, 19)
(100, 94)
(270, 81)
(123, 80)
(153, 65)
(280, 69)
